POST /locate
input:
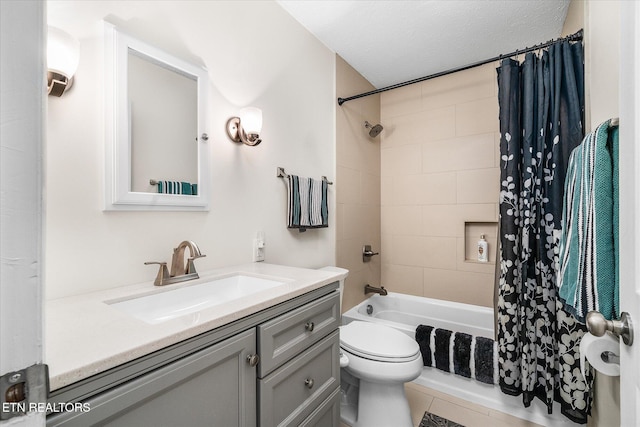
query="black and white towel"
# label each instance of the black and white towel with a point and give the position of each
(459, 353)
(307, 203)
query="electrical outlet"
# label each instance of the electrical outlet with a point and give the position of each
(258, 247)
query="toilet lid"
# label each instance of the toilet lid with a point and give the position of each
(377, 342)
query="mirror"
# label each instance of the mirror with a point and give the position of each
(156, 148)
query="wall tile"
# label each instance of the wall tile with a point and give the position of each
(410, 190)
(349, 255)
(358, 183)
(440, 220)
(437, 188)
(347, 185)
(353, 293)
(370, 189)
(469, 152)
(401, 101)
(386, 190)
(478, 186)
(403, 279)
(404, 220)
(407, 250)
(496, 137)
(458, 88)
(480, 212)
(352, 224)
(339, 222)
(419, 126)
(402, 160)
(439, 252)
(456, 127)
(477, 117)
(461, 286)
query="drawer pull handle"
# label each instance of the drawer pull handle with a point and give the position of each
(253, 359)
(309, 326)
(309, 383)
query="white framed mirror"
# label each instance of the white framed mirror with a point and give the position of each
(157, 150)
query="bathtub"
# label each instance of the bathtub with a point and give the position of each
(406, 312)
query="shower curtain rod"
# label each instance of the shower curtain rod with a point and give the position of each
(573, 37)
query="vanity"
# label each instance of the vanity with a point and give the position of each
(264, 358)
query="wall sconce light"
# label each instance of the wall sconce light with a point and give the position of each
(246, 127)
(63, 54)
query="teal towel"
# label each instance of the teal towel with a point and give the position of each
(186, 188)
(588, 276)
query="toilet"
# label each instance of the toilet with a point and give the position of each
(375, 363)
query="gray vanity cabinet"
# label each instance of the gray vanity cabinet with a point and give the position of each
(277, 367)
(213, 387)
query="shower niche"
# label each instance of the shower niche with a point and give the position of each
(472, 232)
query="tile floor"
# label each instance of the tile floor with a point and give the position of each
(469, 414)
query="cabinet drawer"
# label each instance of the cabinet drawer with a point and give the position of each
(285, 336)
(294, 391)
(327, 414)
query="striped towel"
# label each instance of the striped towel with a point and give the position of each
(459, 353)
(307, 203)
(588, 270)
(177, 187)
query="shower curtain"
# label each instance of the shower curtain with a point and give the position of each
(541, 122)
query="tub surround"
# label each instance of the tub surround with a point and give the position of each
(406, 312)
(86, 336)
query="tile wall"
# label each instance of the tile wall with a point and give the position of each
(440, 186)
(358, 189)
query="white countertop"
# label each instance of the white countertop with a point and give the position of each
(85, 335)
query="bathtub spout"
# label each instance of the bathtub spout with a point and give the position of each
(369, 289)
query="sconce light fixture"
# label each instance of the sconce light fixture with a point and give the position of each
(62, 61)
(246, 127)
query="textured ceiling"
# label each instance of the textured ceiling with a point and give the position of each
(389, 42)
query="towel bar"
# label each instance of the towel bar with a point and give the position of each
(280, 173)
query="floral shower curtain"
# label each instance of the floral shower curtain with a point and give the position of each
(541, 122)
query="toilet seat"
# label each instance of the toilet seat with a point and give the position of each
(378, 342)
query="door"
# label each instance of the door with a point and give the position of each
(22, 91)
(630, 208)
(215, 386)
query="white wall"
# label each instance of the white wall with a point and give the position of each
(257, 55)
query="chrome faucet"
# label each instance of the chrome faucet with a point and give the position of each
(369, 289)
(179, 273)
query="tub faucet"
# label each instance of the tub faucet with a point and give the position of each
(369, 289)
(179, 273)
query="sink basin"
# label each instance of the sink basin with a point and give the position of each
(165, 305)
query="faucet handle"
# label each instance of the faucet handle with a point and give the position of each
(191, 267)
(163, 272)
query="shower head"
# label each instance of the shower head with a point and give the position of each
(374, 129)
